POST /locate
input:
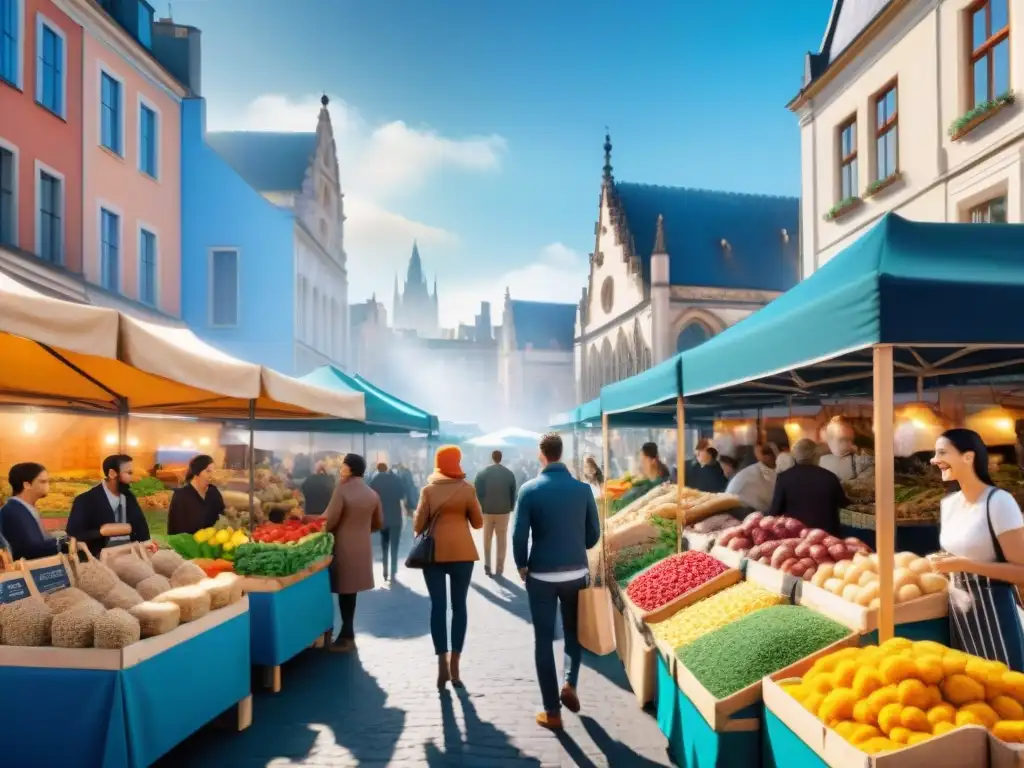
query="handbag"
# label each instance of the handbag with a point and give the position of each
(422, 552)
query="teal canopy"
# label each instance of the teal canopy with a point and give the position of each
(659, 385)
(588, 416)
(385, 413)
(943, 294)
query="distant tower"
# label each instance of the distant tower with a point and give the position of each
(416, 308)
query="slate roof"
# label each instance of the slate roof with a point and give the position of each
(848, 19)
(696, 222)
(269, 162)
(543, 325)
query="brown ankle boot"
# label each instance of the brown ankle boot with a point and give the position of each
(443, 675)
(453, 667)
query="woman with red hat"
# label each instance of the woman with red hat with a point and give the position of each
(449, 506)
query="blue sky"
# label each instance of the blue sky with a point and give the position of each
(477, 125)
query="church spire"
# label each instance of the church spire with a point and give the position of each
(608, 178)
(659, 238)
(415, 274)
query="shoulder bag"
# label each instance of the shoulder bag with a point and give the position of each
(422, 552)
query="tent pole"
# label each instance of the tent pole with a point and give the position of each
(364, 445)
(885, 500)
(122, 425)
(680, 470)
(252, 464)
(606, 458)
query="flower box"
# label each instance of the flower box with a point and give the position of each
(879, 186)
(966, 123)
(842, 208)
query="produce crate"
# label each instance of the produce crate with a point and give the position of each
(964, 747)
(864, 620)
(936, 630)
(699, 542)
(725, 579)
(277, 583)
(638, 657)
(731, 557)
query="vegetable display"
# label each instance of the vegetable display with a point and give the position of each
(786, 544)
(634, 524)
(759, 644)
(888, 697)
(713, 612)
(856, 580)
(629, 561)
(282, 559)
(208, 543)
(283, 533)
(673, 577)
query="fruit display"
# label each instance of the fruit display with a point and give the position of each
(629, 561)
(712, 525)
(284, 533)
(902, 693)
(713, 612)
(759, 644)
(633, 524)
(208, 543)
(671, 578)
(616, 487)
(281, 550)
(786, 544)
(856, 580)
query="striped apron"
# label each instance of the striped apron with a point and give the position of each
(991, 626)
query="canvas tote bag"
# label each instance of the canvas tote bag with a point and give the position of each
(596, 620)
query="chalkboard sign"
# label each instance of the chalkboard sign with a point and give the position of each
(13, 589)
(50, 578)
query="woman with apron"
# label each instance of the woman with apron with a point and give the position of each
(982, 538)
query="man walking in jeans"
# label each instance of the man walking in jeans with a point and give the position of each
(496, 490)
(559, 513)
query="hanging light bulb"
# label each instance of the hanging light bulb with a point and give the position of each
(133, 442)
(29, 427)
(110, 440)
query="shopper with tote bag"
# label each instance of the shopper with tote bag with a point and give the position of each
(556, 522)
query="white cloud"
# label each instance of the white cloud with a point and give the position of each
(558, 274)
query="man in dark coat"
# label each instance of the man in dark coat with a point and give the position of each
(392, 491)
(109, 514)
(811, 494)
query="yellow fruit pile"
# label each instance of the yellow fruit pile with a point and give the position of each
(713, 612)
(227, 538)
(901, 693)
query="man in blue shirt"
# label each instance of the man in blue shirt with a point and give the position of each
(559, 514)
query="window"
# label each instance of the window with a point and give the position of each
(110, 113)
(50, 228)
(990, 212)
(886, 134)
(147, 267)
(10, 41)
(145, 25)
(848, 159)
(51, 66)
(990, 50)
(110, 250)
(224, 287)
(147, 140)
(8, 197)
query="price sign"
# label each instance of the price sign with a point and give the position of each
(50, 578)
(12, 589)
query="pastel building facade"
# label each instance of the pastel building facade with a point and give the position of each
(90, 194)
(911, 106)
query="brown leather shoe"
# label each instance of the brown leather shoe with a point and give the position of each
(550, 720)
(569, 698)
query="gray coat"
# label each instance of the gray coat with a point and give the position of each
(496, 489)
(392, 491)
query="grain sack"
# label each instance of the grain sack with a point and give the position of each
(186, 574)
(156, 618)
(95, 579)
(166, 562)
(193, 601)
(236, 585)
(121, 596)
(153, 586)
(26, 622)
(74, 627)
(65, 599)
(131, 570)
(219, 592)
(116, 629)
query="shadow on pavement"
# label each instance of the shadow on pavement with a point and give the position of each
(609, 667)
(482, 743)
(398, 613)
(616, 752)
(328, 700)
(513, 601)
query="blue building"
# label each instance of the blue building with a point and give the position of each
(673, 266)
(263, 261)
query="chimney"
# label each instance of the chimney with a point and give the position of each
(178, 48)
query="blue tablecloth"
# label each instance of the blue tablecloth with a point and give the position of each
(127, 718)
(286, 622)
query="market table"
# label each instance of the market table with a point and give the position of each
(289, 614)
(124, 708)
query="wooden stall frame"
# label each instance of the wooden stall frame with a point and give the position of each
(680, 470)
(885, 499)
(606, 459)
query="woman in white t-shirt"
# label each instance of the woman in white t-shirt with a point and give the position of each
(982, 538)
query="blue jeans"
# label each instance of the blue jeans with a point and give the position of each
(545, 598)
(390, 538)
(436, 576)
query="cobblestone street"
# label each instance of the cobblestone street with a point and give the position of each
(380, 706)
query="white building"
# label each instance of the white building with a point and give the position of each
(905, 108)
(299, 172)
(672, 267)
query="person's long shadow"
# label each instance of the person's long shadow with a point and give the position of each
(398, 613)
(330, 700)
(616, 752)
(513, 601)
(482, 743)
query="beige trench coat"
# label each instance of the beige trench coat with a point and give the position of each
(353, 514)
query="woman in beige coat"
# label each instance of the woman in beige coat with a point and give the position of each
(353, 514)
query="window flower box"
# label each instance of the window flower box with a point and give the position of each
(975, 117)
(842, 208)
(880, 185)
